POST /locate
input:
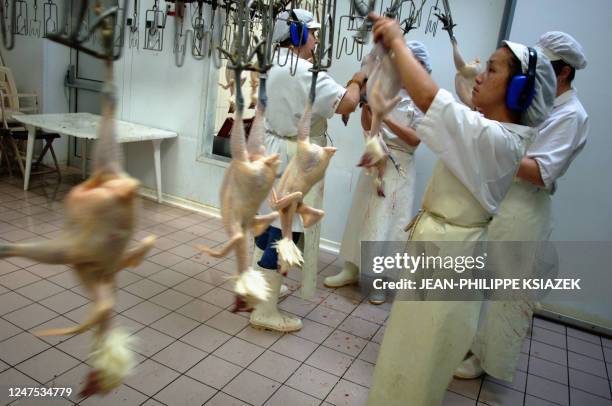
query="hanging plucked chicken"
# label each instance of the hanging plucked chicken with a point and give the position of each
(465, 79)
(303, 171)
(100, 215)
(248, 179)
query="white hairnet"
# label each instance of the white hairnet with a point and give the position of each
(558, 45)
(545, 85)
(420, 53)
(281, 28)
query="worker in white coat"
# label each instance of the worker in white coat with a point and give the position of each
(525, 213)
(375, 218)
(288, 87)
(479, 152)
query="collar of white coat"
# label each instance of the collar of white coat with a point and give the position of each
(523, 131)
(283, 55)
(565, 97)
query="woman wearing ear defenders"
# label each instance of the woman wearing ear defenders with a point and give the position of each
(479, 153)
(288, 88)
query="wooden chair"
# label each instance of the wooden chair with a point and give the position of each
(14, 135)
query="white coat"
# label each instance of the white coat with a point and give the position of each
(372, 218)
(561, 138)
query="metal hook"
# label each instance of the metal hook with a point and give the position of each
(432, 23)
(34, 24)
(8, 38)
(199, 38)
(132, 22)
(105, 21)
(155, 23)
(180, 37)
(50, 17)
(119, 33)
(20, 22)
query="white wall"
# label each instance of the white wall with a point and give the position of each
(157, 93)
(582, 206)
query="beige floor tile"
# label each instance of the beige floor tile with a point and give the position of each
(289, 396)
(230, 323)
(47, 365)
(251, 388)
(175, 325)
(185, 392)
(329, 360)
(150, 376)
(206, 338)
(294, 347)
(239, 352)
(312, 381)
(347, 393)
(214, 371)
(21, 347)
(179, 356)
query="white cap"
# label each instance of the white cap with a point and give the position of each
(558, 45)
(281, 26)
(420, 53)
(545, 84)
(521, 52)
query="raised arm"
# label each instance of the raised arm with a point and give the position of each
(415, 79)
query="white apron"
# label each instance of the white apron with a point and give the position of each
(373, 218)
(287, 147)
(524, 215)
(416, 364)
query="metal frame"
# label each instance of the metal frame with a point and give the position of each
(506, 21)
(573, 322)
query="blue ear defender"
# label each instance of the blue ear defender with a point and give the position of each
(297, 31)
(522, 87)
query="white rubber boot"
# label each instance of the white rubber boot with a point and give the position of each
(266, 314)
(257, 253)
(347, 276)
(470, 368)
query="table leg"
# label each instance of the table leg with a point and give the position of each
(83, 158)
(29, 153)
(157, 162)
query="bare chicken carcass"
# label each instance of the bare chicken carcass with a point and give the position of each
(231, 85)
(383, 88)
(305, 169)
(465, 78)
(246, 184)
(99, 223)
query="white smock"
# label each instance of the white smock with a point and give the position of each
(561, 138)
(424, 342)
(374, 218)
(287, 98)
(525, 215)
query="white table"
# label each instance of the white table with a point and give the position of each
(85, 125)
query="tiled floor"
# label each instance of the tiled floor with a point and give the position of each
(192, 351)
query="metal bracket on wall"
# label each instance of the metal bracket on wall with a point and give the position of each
(71, 81)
